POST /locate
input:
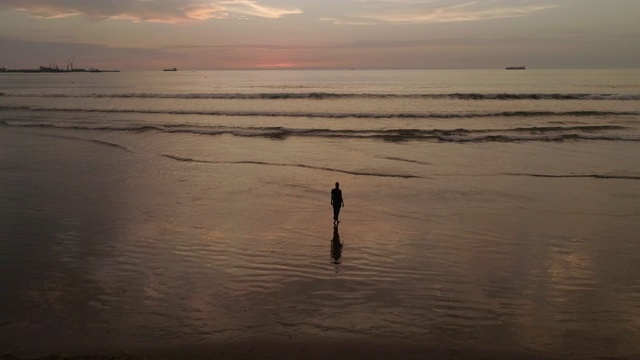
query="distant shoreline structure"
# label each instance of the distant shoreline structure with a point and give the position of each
(53, 69)
(516, 68)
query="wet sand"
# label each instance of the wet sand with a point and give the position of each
(317, 349)
(172, 259)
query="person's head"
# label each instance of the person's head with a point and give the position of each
(337, 185)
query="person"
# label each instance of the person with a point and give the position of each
(337, 202)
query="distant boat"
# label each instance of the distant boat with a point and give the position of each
(516, 68)
(93, 70)
(170, 69)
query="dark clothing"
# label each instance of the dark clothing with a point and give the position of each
(336, 211)
(337, 202)
(336, 197)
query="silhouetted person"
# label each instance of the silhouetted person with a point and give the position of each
(336, 246)
(336, 202)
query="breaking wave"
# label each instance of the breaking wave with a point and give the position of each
(338, 115)
(461, 135)
(328, 96)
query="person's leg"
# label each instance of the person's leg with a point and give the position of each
(336, 212)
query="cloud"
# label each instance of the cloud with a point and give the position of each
(417, 11)
(338, 21)
(164, 11)
(252, 8)
(397, 1)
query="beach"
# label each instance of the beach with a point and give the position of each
(486, 215)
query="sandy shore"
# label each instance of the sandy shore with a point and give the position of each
(309, 350)
(162, 245)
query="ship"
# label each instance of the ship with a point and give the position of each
(516, 68)
(170, 69)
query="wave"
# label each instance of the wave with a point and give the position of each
(110, 144)
(519, 134)
(337, 115)
(593, 176)
(329, 96)
(95, 141)
(406, 160)
(247, 162)
(405, 176)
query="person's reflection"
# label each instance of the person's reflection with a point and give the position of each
(336, 246)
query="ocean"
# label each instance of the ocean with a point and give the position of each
(488, 213)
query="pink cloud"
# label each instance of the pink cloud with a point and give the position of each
(164, 11)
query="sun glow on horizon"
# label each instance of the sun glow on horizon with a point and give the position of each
(277, 65)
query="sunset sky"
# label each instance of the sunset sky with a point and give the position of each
(364, 34)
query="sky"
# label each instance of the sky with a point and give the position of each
(320, 34)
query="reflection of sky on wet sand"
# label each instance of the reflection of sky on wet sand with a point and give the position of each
(130, 250)
(54, 229)
(547, 288)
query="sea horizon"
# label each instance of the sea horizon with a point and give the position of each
(339, 68)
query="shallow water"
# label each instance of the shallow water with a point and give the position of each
(128, 240)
